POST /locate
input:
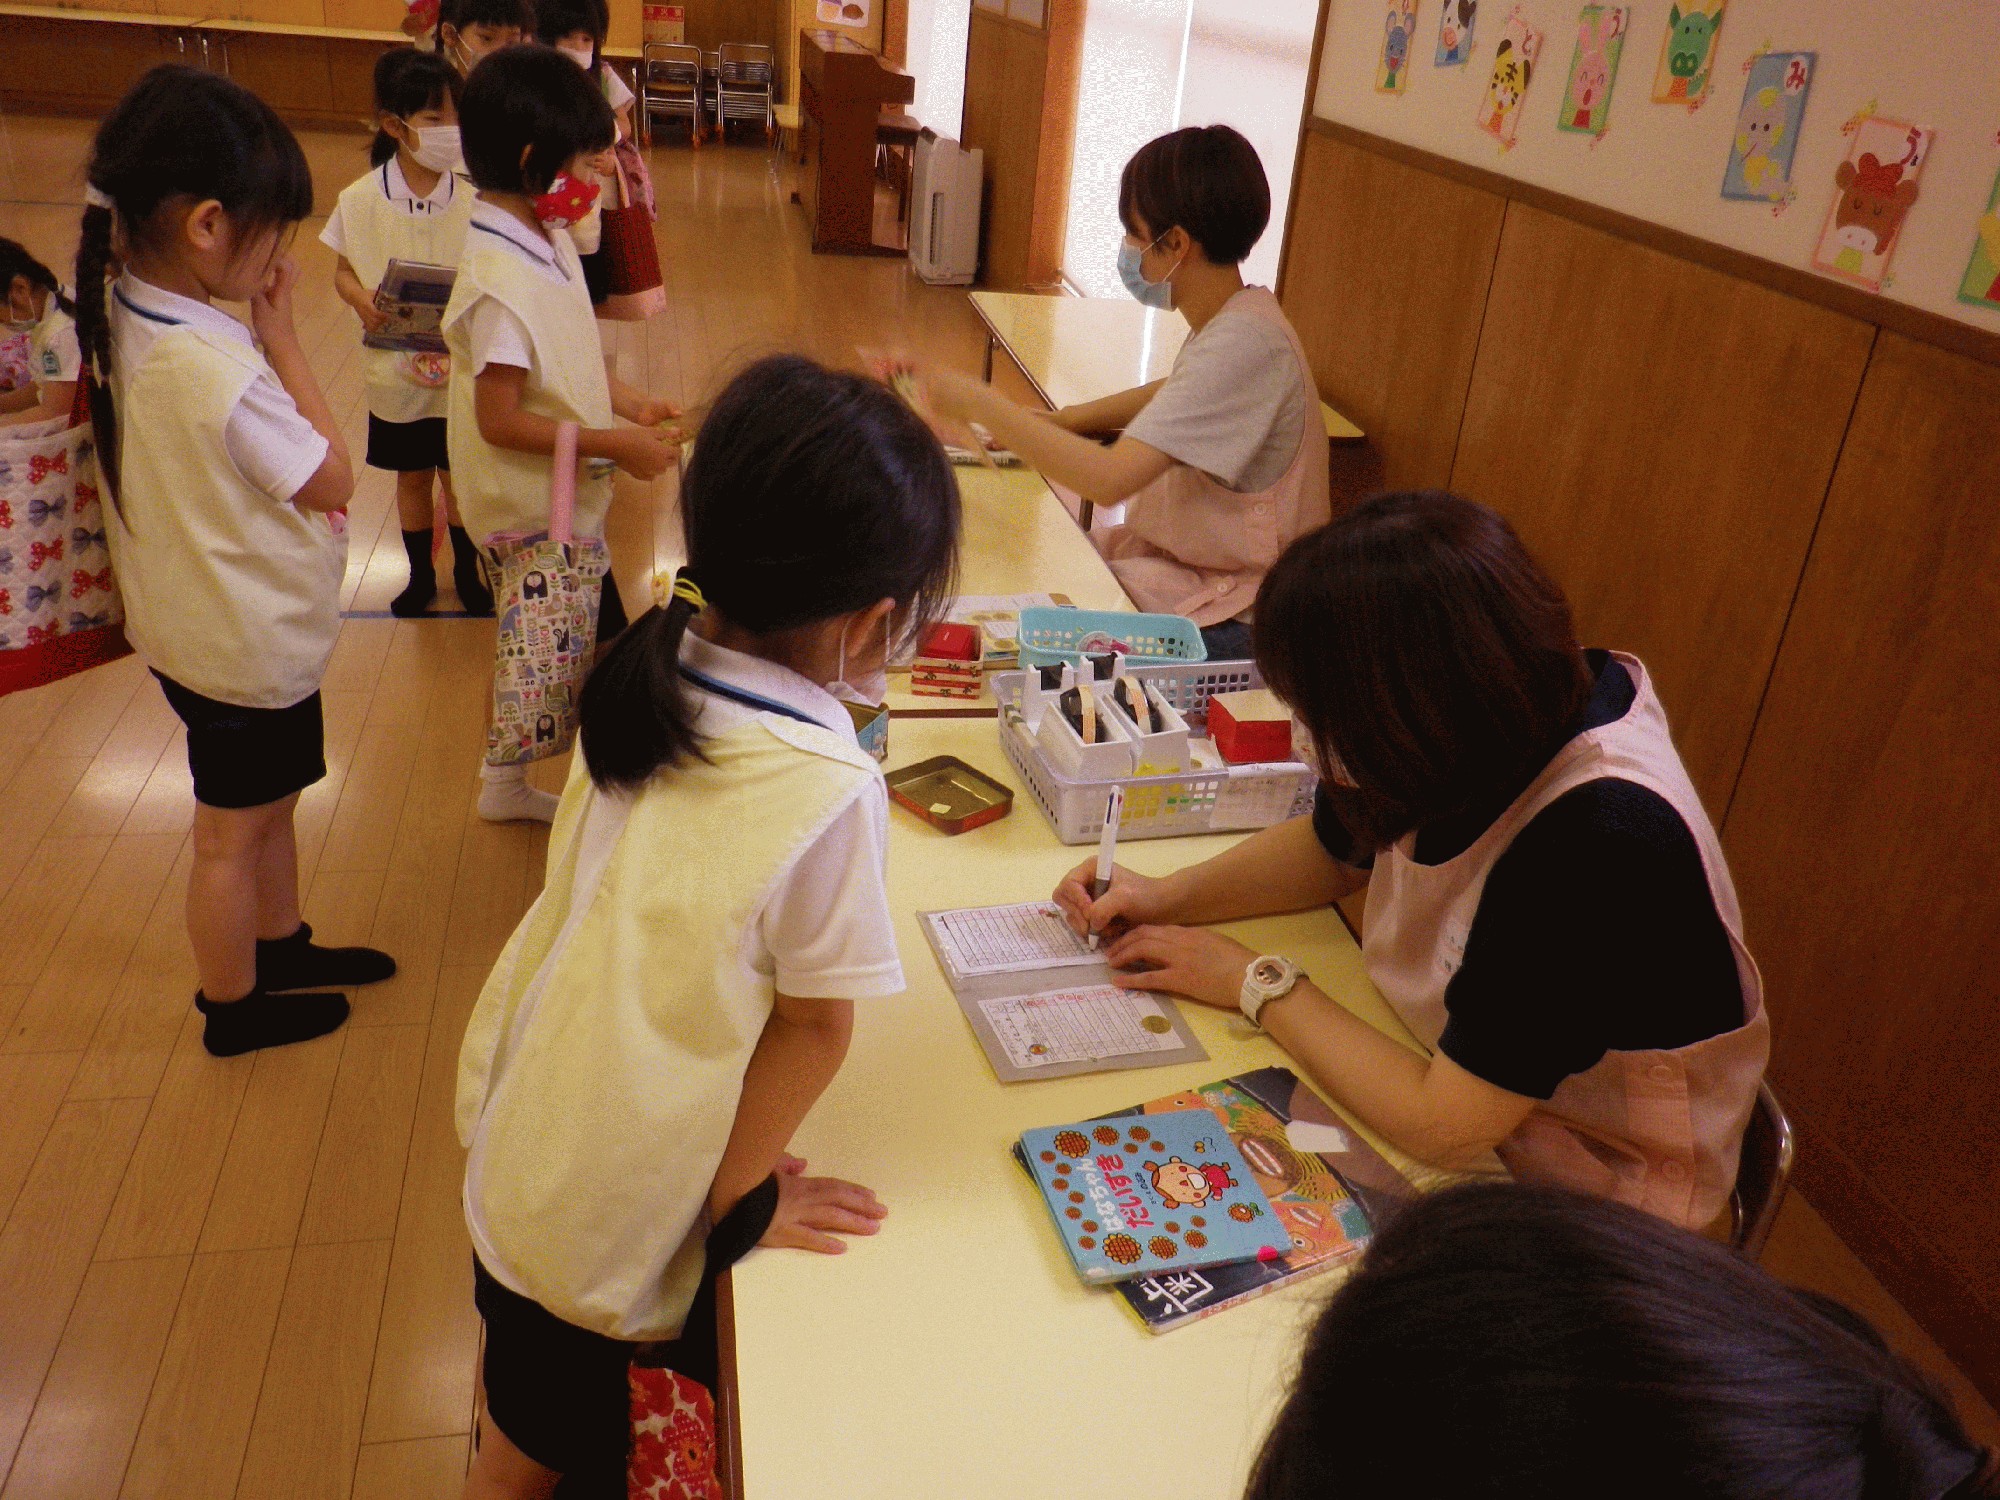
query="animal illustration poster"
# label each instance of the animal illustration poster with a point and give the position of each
(1687, 58)
(1875, 189)
(1593, 69)
(1767, 127)
(1399, 33)
(1455, 32)
(1513, 69)
(1981, 286)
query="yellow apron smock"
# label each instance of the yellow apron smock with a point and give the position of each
(499, 490)
(376, 230)
(601, 1069)
(227, 591)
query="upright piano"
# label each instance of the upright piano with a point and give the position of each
(842, 88)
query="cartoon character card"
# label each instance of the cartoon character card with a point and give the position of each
(1875, 188)
(1767, 127)
(1513, 69)
(1981, 286)
(1687, 58)
(1399, 32)
(1593, 69)
(1455, 33)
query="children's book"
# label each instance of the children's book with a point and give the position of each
(1151, 1193)
(413, 294)
(1041, 1001)
(1767, 127)
(1330, 1189)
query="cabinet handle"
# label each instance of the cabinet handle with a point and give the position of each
(202, 36)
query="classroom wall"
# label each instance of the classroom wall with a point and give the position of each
(1933, 63)
(1781, 494)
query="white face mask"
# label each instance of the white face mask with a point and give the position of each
(872, 689)
(20, 319)
(583, 57)
(437, 148)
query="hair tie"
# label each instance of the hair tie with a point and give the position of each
(94, 197)
(667, 588)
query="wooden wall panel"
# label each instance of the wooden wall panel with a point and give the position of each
(1386, 272)
(1020, 109)
(1864, 835)
(1662, 435)
(710, 23)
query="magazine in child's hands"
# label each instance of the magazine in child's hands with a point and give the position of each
(414, 295)
(1152, 1192)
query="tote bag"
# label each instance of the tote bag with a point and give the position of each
(632, 259)
(546, 598)
(59, 606)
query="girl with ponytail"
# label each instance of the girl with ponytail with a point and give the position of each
(38, 306)
(684, 988)
(1574, 1349)
(228, 478)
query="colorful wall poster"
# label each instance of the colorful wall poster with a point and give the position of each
(1593, 69)
(1981, 286)
(1455, 32)
(1399, 32)
(1767, 127)
(1875, 189)
(1687, 57)
(1513, 70)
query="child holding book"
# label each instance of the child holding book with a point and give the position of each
(523, 343)
(683, 990)
(226, 469)
(409, 206)
(38, 306)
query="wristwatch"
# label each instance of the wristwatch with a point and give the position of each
(1266, 979)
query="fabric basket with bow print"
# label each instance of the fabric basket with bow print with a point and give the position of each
(549, 585)
(59, 606)
(632, 257)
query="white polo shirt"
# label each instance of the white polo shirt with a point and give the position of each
(52, 346)
(396, 188)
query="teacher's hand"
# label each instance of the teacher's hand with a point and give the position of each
(1132, 899)
(1190, 961)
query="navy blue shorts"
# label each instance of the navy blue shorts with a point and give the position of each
(246, 757)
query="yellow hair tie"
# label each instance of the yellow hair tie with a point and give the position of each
(679, 586)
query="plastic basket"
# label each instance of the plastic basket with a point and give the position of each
(1052, 636)
(1229, 798)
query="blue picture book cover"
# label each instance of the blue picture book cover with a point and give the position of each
(1143, 1194)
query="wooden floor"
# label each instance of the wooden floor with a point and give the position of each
(250, 1278)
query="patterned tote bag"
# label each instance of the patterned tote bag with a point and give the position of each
(546, 598)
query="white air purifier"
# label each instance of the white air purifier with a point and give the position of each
(944, 211)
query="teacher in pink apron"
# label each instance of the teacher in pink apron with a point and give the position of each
(1548, 908)
(1221, 464)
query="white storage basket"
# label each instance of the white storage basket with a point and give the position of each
(1228, 798)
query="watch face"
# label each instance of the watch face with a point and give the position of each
(1268, 972)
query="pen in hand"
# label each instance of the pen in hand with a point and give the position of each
(1107, 852)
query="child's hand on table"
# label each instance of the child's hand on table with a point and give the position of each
(1189, 961)
(812, 1210)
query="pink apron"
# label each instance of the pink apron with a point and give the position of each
(1661, 1130)
(1191, 546)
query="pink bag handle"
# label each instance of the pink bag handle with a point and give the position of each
(562, 485)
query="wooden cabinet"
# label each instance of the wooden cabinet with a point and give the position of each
(83, 67)
(1020, 109)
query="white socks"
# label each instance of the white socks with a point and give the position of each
(506, 797)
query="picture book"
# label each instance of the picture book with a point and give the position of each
(1981, 286)
(1399, 30)
(1687, 56)
(1767, 127)
(1513, 69)
(1150, 1193)
(1041, 1000)
(413, 294)
(1593, 69)
(1874, 191)
(1455, 33)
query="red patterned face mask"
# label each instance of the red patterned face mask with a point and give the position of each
(567, 201)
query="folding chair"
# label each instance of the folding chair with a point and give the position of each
(743, 86)
(1762, 1178)
(670, 77)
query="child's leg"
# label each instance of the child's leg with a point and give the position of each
(278, 875)
(287, 957)
(467, 578)
(413, 514)
(500, 1471)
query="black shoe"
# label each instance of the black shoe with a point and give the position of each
(296, 963)
(416, 596)
(469, 581)
(259, 1020)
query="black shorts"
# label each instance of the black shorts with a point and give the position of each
(557, 1391)
(407, 447)
(246, 757)
(596, 276)
(611, 618)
